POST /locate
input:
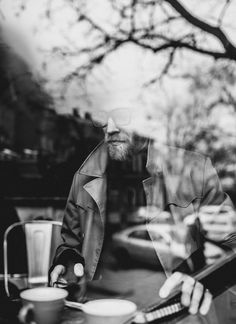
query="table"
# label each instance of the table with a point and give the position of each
(71, 316)
(9, 312)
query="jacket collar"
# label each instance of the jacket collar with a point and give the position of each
(96, 163)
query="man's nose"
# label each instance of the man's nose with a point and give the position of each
(111, 126)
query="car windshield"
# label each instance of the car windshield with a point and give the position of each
(157, 237)
(144, 235)
(140, 234)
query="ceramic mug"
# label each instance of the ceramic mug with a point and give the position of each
(42, 305)
(108, 311)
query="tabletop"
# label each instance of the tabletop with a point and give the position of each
(9, 311)
(71, 316)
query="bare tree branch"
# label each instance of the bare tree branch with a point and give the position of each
(213, 30)
(132, 16)
(223, 12)
(230, 99)
(179, 44)
(150, 33)
(164, 71)
(48, 8)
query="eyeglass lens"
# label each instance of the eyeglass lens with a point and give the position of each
(120, 116)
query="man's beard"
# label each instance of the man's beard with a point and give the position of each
(119, 146)
(119, 152)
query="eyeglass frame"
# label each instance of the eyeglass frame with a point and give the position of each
(111, 114)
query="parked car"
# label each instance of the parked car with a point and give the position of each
(217, 221)
(8, 155)
(143, 242)
(142, 214)
(212, 253)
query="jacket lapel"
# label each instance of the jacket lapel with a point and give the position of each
(96, 188)
(96, 163)
(94, 167)
(170, 181)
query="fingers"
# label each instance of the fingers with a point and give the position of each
(206, 303)
(172, 282)
(187, 290)
(56, 278)
(56, 273)
(201, 300)
(197, 295)
(79, 270)
(193, 294)
(60, 283)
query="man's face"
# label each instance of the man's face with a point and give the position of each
(119, 140)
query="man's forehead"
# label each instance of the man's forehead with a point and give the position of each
(112, 99)
(118, 107)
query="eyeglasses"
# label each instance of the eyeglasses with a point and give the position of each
(120, 116)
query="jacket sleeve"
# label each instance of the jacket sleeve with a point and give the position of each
(212, 193)
(225, 215)
(71, 233)
(213, 209)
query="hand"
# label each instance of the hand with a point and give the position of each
(56, 276)
(194, 296)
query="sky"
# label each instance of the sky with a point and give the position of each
(119, 80)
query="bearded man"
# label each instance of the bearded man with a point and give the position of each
(179, 182)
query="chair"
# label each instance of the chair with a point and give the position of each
(42, 238)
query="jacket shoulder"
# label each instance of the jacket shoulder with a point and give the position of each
(181, 159)
(195, 157)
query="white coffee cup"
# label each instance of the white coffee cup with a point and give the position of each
(109, 311)
(42, 305)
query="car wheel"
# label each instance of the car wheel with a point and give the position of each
(123, 258)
